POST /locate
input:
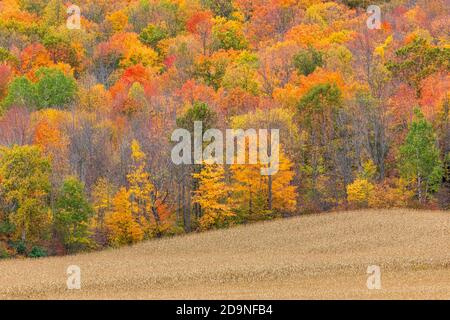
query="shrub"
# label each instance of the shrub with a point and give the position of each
(3, 253)
(37, 252)
(392, 193)
(20, 247)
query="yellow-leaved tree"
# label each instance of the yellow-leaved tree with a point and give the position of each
(147, 201)
(257, 196)
(102, 201)
(360, 191)
(254, 199)
(284, 194)
(122, 226)
(140, 185)
(212, 195)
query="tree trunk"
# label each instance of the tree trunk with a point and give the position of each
(186, 213)
(419, 188)
(270, 191)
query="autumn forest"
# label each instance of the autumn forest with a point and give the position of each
(91, 91)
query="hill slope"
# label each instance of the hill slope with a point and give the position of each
(316, 256)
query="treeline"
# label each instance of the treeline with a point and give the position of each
(86, 115)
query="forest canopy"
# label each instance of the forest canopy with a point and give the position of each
(90, 92)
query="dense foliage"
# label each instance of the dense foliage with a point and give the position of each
(86, 114)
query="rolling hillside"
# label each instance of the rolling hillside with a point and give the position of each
(316, 256)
